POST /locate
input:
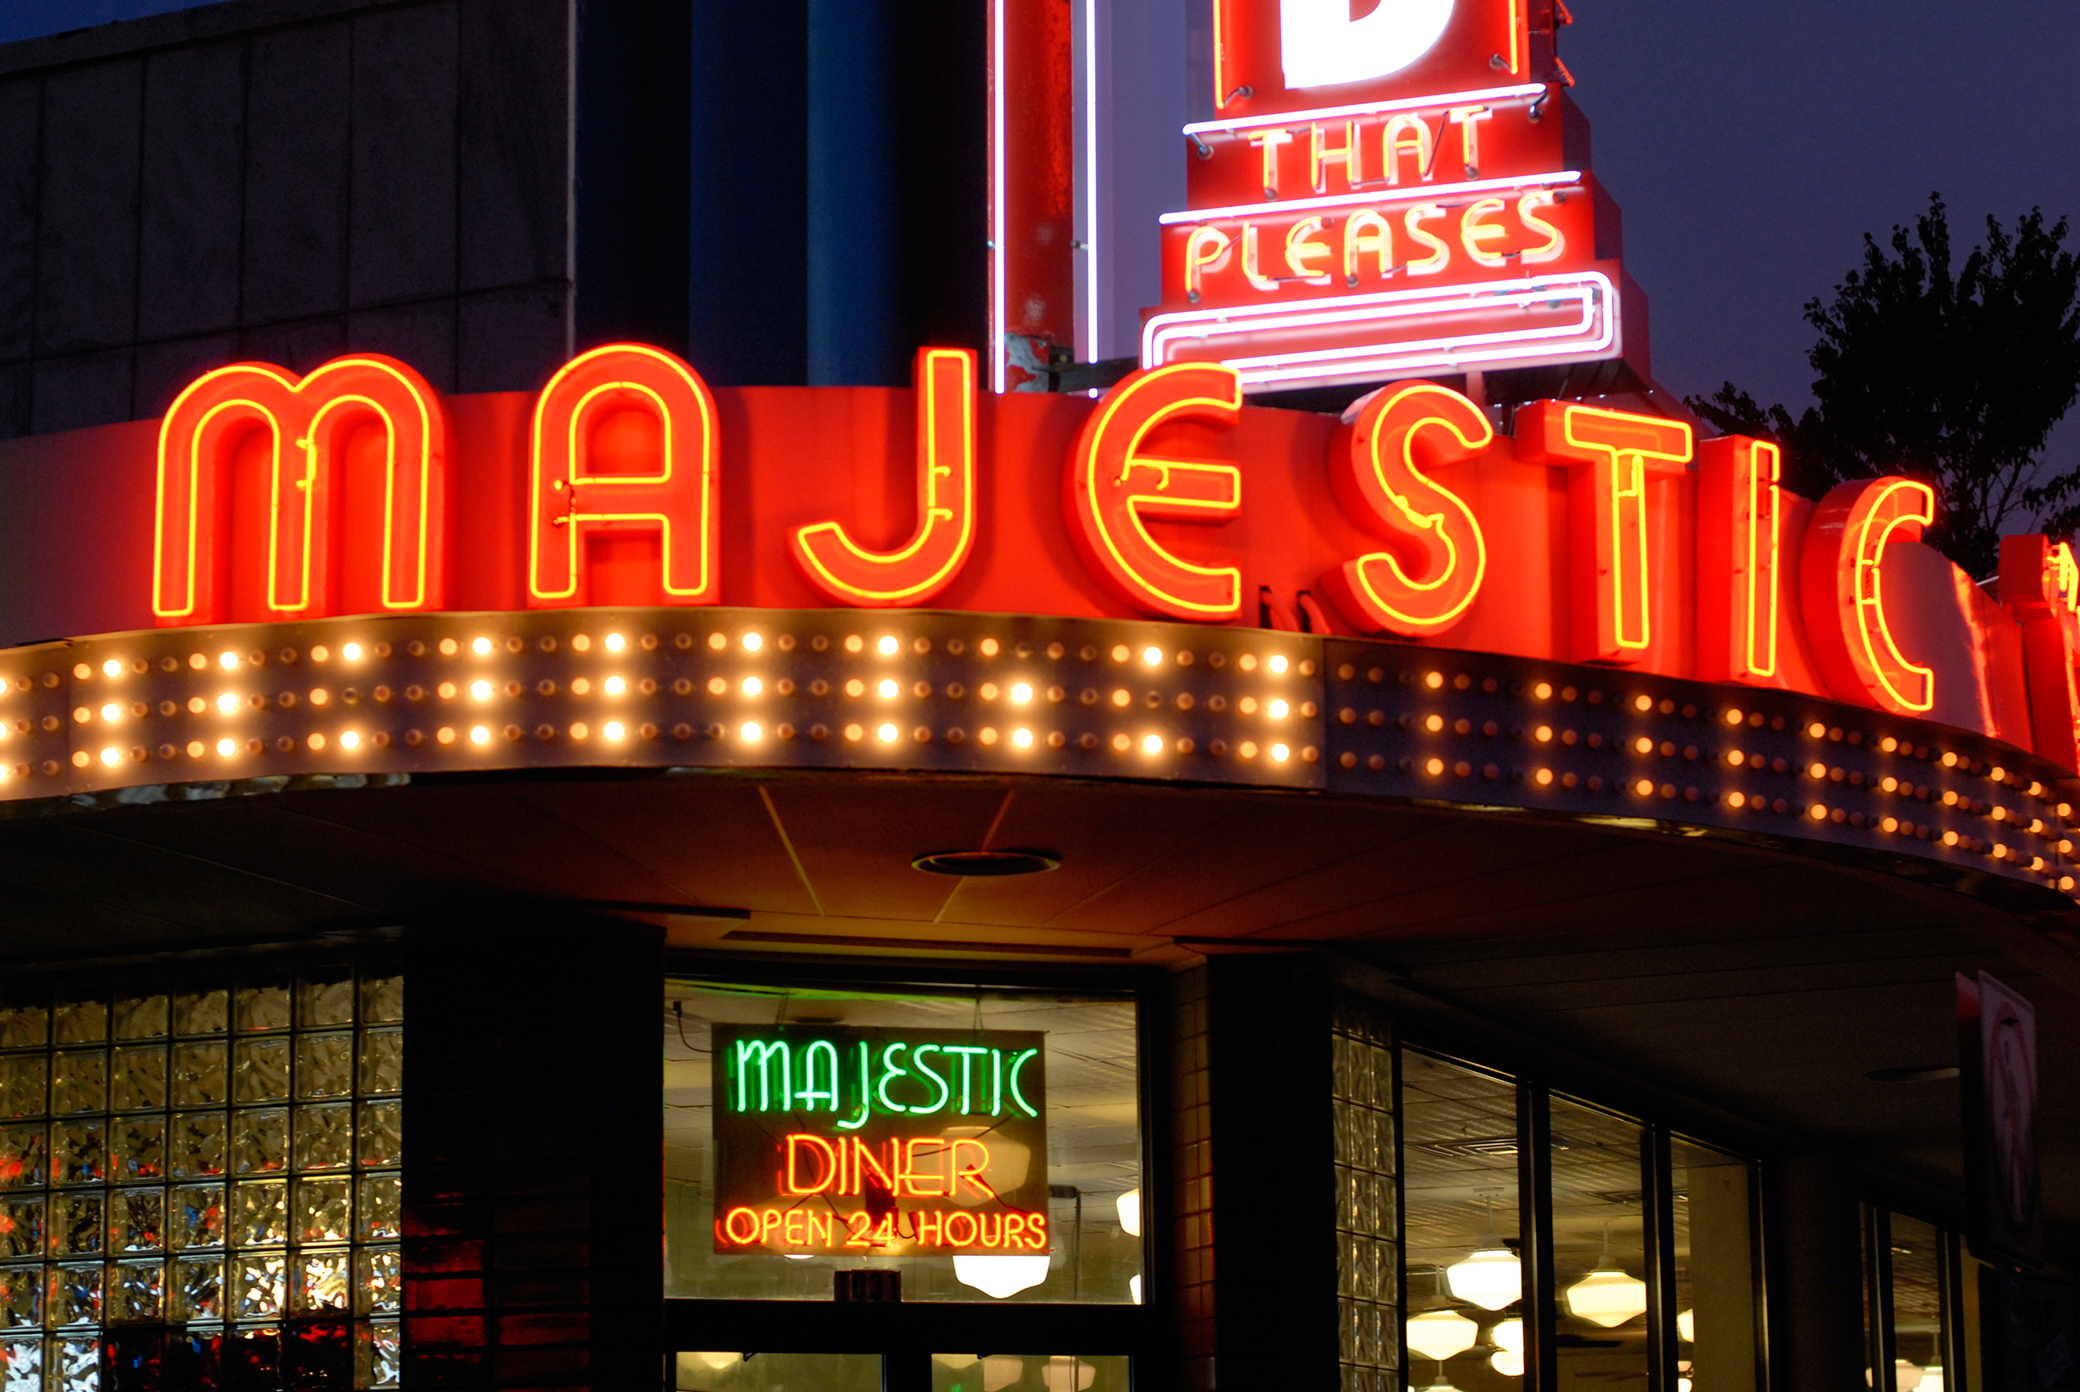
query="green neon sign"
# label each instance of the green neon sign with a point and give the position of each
(852, 1076)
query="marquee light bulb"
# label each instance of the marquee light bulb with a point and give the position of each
(227, 703)
(111, 756)
(349, 740)
(615, 686)
(1022, 738)
(481, 690)
(227, 747)
(228, 661)
(1277, 664)
(1278, 710)
(888, 688)
(887, 733)
(1021, 692)
(752, 734)
(481, 646)
(111, 712)
(752, 642)
(752, 686)
(351, 652)
(1152, 656)
(887, 645)
(112, 667)
(1152, 744)
(615, 642)
(479, 735)
(613, 730)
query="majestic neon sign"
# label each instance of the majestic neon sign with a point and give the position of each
(831, 1139)
(1182, 504)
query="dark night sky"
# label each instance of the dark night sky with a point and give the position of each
(1751, 144)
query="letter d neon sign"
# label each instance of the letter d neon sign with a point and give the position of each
(1321, 45)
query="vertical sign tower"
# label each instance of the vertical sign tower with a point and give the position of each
(1391, 192)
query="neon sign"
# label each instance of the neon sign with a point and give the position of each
(1390, 193)
(836, 1140)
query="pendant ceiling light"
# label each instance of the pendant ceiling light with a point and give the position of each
(1506, 1363)
(1609, 1297)
(1129, 1206)
(1492, 1277)
(1508, 1358)
(999, 1277)
(1907, 1375)
(1686, 1326)
(1440, 1334)
(1932, 1378)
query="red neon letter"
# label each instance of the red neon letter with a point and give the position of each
(944, 382)
(1608, 455)
(1739, 537)
(1424, 584)
(308, 422)
(1113, 488)
(826, 1163)
(1840, 574)
(2040, 583)
(568, 502)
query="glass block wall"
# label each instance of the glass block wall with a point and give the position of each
(1368, 1208)
(199, 1188)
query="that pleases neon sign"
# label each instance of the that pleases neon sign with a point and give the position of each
(862, 1141)
(1154, 463)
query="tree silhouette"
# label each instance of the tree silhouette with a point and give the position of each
(1953, 378)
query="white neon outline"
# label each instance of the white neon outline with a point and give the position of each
(999, 353)
(1595, 332)
(1090, 207)
(1325, 113)
(1425, 192)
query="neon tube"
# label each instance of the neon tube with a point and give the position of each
(1415, 192)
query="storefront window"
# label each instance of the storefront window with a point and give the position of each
(1004, 1372)
(980, 1144)
(777, 1372)
(201, 1187)
(1713, 1232)
(1909, 1303)
(1464, 1270)
(1599, 1245)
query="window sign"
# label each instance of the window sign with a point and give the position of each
(832, 1140)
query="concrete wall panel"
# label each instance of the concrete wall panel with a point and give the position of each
(300, 346)
(514, 120)
(404, 155)
(194, 156)
(511, 341)
(296, 173)
(163, 369)
(86, 275)
(87, 389)
(422, 335)
(20, 103)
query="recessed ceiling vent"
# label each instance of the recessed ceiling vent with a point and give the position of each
(987, 863)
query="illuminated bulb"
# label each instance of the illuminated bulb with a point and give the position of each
(1129, 1206)
(227, 747)
(615, 642)
(1022, 738)
(227, 703)
(113, 667)
(1733, 717)
(111, 712)
(579, 730)
(1608, 1298)
(752, 686)
(1686, 1326)
(228, 661)
(1021, 693)
(1152, 656)
(1134, 1288)
(479, 734)
(111, 756)
(1491, 1278)
(1643, 703)
(752, 642)
(1277, 664)
(888, 688)
(481, 690)
(1509, 1364)
(886, 734)
(349, 740)
(615, 686)
(612, 730)
(1509, 1336)
(1643, 745)
(481, 646)
(1279, 752)
(1544, 734)
(752, 734)
(1441, 1334)
(1278, 710)
(1543, 777)
(351, 652)
(1000, 1277)
(887, 645)
(1543, 691)
(1152, 744)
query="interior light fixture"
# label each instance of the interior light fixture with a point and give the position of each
(1931, 1378)
(1609, 1297)
(1493, 1277)
(1907, 1375)
(1507, 1363)
(1440, 1334)
(1000, 1277)
(1686, 1326)
(996, 863)
(1129, 1205)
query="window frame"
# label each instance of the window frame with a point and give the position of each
(906, 1334)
